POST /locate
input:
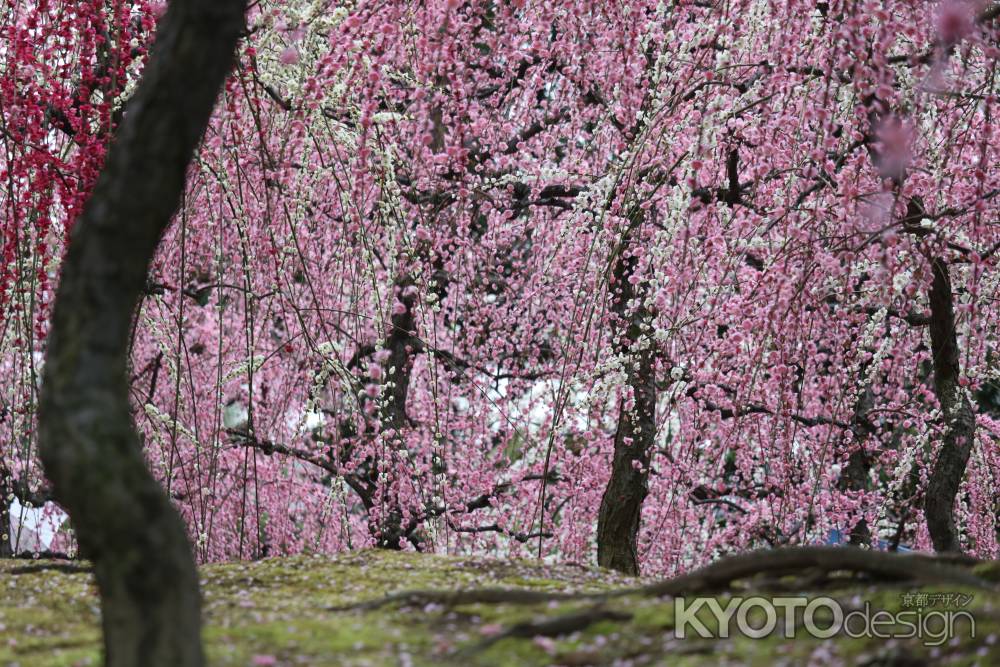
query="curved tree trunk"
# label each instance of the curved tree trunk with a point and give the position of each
(88, 445)
(621, 504)
(959, 420)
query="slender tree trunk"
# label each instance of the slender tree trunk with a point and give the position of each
(621, 504)
(854, 476)
(401, 345)
(88, 444)
(6, 535)
(959, 420)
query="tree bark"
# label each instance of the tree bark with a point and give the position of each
(401, 345)
(959, 420)
(88, 444)
(621, 505)
(6, 534)
(854, 476)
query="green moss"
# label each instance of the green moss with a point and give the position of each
(511, 653)
(989, 570)
(283, 608)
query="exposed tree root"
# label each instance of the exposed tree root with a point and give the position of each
(462, 597)
(882, 566)
(65, 568)
(720, 576)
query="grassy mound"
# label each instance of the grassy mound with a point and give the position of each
(305, 611)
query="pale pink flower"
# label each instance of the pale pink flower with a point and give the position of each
(955, 19)
(289, 56)
(894, 139)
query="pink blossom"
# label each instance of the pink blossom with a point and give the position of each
(528, 152)
(954, 20)
(289, 56)
(895, 137)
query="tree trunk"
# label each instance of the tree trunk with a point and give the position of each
(6, 535)
(959, 420)
(854, 476)
(621, 504)
(88, 444)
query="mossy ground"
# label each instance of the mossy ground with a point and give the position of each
(280, 612)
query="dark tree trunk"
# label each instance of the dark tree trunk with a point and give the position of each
(621, 504)
(91, 452)
(6, 535)
(854, 476)
(401, 344)
(956, 410)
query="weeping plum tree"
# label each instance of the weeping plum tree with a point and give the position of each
(88, 444)
(406, 287)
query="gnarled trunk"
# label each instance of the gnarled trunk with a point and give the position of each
(959, 420)
(88, 444)
(621, 504)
